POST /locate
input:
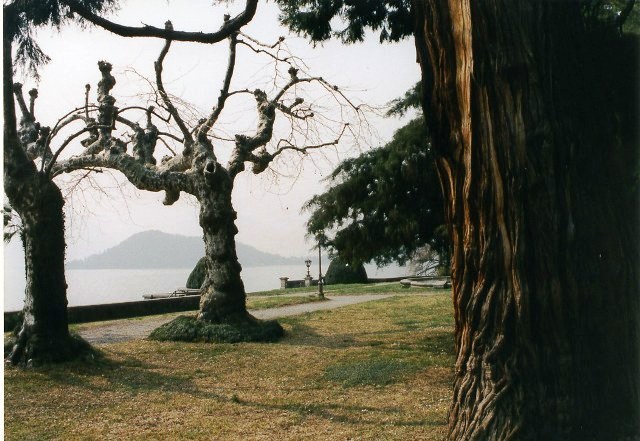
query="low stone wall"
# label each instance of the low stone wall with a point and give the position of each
(386, 279)
(114, 311)
(286, 283)
(427, 282)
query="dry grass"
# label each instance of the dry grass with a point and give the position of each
(380, 371)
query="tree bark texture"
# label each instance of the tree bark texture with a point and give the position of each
(533, 115)
(44, 335)
(223, 297)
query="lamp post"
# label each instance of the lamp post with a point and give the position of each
(307, 280)
(320, 283)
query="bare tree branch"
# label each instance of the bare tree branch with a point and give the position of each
(160, 117)
(33, 94)
(165, 143)
(65, 143)
(285, 144)
(165, 97)
(144, 177)
(228, 27)
(17, 91)
(224, 92)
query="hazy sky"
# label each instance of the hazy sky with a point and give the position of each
(268, 211)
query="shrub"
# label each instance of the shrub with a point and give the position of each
(197, 276)
(341, 272)
(190, 329)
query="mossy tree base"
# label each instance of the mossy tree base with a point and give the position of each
(190, 329)
(36, 350)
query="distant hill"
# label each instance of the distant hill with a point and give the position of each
(155, 249)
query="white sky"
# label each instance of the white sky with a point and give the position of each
(269, 215)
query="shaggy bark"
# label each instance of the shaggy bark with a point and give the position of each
(536, 149)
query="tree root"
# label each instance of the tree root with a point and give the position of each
(190, 329)
(31, 350)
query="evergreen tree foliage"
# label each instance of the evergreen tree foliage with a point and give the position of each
(347, 20)
(27, 15)
(198, 275)
(341, 271)
(385, 204)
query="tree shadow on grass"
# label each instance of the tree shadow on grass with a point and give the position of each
(301, 334)
(132, 376)
(343, 413)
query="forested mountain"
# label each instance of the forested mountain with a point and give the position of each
(155, 249)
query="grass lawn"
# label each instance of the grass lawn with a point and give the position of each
(380, 370)
(277, 301)
(349, 289)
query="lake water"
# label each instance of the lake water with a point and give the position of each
(92, 287)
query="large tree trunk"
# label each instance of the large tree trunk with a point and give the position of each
(44, 334)
(223, 298)
(536, 152)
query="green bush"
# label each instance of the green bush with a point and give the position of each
(341, 272)
(190, 329)
(197, 276)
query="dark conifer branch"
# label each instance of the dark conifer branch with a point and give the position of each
(229, 26)
(624, 14)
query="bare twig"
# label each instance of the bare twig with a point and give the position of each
(285, 144)
(160, 117)
(65, 144)
(167, 145)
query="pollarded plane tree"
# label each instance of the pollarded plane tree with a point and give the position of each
(28, 184)
(197, 169)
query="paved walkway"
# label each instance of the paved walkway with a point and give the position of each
(131, 329)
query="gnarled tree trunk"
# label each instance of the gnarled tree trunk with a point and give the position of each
(223, 298)
(537, 147)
